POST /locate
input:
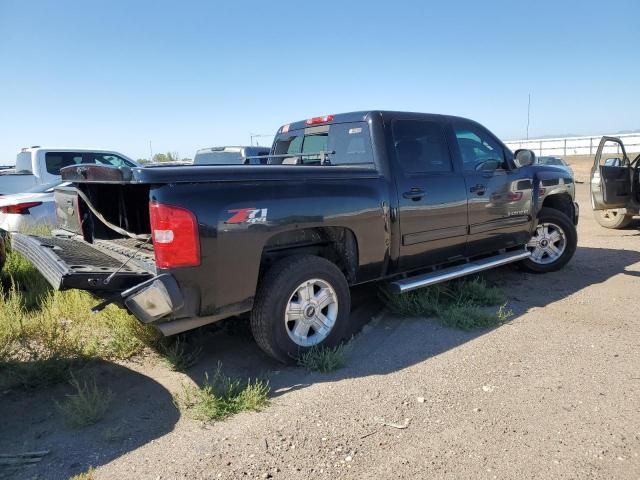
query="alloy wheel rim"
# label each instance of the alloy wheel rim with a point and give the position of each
(547, 244)
(311, 312)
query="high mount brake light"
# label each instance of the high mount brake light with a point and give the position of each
(19, 208)
(317, 120)
(176, 240)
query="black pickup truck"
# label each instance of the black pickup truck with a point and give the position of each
(411, 199)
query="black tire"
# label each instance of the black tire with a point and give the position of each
(555, 217)
(615, 218)
(277, 286)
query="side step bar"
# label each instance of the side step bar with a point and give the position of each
(431, 278)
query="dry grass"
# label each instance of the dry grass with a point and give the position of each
(45, 334)
(87, 405)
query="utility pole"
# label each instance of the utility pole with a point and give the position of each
(528, 115)
(150, 152)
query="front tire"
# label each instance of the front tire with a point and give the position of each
(302, 301)
(553, 243)
(614, 218)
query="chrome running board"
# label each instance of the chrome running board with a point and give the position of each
(431, 278)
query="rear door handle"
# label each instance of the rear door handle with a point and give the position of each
(414, 194)
(478, 189)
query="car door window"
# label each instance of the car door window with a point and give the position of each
(421, 147)
(479, 150)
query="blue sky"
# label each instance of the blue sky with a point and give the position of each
(183, 75)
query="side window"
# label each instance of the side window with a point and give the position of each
(54, 161)
(421, 147)
(479, 149)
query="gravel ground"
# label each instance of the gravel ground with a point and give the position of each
(555, 393)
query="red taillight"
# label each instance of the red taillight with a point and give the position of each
(514, 196)
(19, 208)
(176, 241)
(316, 120)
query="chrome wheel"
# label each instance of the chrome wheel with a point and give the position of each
(311, 312)
(547, 244)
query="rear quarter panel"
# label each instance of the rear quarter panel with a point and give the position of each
(233, 237)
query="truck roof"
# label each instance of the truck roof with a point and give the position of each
(361, 116)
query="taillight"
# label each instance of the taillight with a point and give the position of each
(514, 196)
(317, 120)
(19, 208)
(174, 230)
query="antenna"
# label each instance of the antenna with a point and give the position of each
(528, 115)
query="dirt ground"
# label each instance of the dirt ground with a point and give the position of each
(554, 393)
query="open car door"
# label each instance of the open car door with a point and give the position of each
(611, 178)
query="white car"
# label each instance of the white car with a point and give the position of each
(29, 211)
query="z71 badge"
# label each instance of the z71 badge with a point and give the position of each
(247, 215)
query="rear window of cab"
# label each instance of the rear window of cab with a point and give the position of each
(338, 144)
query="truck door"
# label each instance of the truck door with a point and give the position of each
(500, 206)
(611, 176)
(432, 196)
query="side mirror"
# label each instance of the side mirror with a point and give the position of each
(524, 157)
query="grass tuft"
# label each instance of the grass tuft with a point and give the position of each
(223, 396)
(323, 359)
(178, 356)
(87, 406)
(461, 304)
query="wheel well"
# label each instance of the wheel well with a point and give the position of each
(561, 202)
(336, 244)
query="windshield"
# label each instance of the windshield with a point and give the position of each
(222, 157)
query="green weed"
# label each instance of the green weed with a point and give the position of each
(222, 396)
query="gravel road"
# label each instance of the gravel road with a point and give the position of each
(555, 393)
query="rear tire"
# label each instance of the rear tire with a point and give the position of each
(615, 218)
(553, 243)
(302, 301)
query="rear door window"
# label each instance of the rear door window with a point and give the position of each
(343, 144)
(421, 147)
